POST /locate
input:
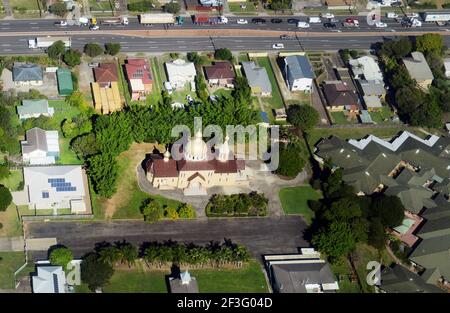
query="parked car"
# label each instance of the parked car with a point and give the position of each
(276, 20)
(333, 20)
(380, 25)
(412, 15)
(242, 21)
(302, 25)
(391, 15)
(278, 46)
(329, 25)
(314, 19)
(293, 21)
(326, 15)
(94, 27)
(259, 21)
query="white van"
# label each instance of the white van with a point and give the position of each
(314, 20)
(391, 15)
(302, 25)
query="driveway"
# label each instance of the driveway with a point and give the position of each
(260, 235)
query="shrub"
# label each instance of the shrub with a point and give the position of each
(252, 204)
(5, 198)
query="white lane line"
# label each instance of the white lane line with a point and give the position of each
(6, 28)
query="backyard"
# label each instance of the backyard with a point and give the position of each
(246, 7)
(9, 218)
(249, 279)
(9, 263)
(294, 200)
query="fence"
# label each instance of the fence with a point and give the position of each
(31, 218)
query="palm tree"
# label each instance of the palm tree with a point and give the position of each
(109, 254)
(151, 254)
(128, 253)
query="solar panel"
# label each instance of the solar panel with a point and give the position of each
(55, 283)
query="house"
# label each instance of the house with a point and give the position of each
(180, 72)
(194, 168)
(258, 79)
(372, 88)
(447, 67)
(25, 74)
(55, 187)
(49, 279)
(397, 279)
(366, 68)
(220, 74)
(298, 73)
(106, 73)
(185, 283)
(418, 69)
(106, 98)
(373, 103)
(65, 83)
(340, 97)
(34, 108)
(300, 273)
(139, 76)
(41, 147)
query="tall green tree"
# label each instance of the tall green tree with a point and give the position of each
(5, 198)
(335, 241)
(61, 256)
(93, 49)
(304, 117)
(103, 174)
(112, 48)
(152, 211)
(223, 54)
(72, 57)
(56, 50)
(94, 272)
(430, 43)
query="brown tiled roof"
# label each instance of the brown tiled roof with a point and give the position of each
(106, 72)
(338, 94)
(161, 168)
(220, 70)
(184, 165)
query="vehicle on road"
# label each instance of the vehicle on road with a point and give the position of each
(160, 18)
(314, 20)
(115, 21)
(84, 21)
(61, 23)
(329, 25)
(276, 20)
(278, 46)
(327, 15)
(333, 20)
(94, 64)
(218, 20)
(412, 15)
(303, 25)
(436, 16)
(391, 15)
(439, 23)
(380, 25)
(416, 23)
(45, 42)
(242, 21)
(408, 22)
(94, 27)
(287, 37)
(259, 21)
(351, 23)
(293, 21)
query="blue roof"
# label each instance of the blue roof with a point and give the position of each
(264, 117)
(299, 67)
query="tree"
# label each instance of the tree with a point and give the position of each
(72, 57)
(343, 209)
(335, 241)
(85, 145)
(59, 9)
(280, 5)
(103, 174)
(78, 125)
(397, 49)
(5, 198)
(304, 117)
(61, 256)
(172, 7)
(430, 43)
(290, 161)
(377, 235)
(171, 213)
(186, 211)
(389, 209)
(242, 92)
(94, 272)
(196, 58)
(112, 48)
(109, 254)
(128, 253)
(56, 50)
(152, 211)
(4, 171)
(223, 54)
(93, 49)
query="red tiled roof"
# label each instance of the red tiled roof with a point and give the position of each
(106, 72)
(138, 69)
(220, 70)
(163, 168)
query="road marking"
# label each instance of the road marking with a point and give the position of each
(6, 28)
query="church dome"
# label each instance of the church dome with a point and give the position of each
(196, 149)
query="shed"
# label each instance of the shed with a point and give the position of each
(65, 83)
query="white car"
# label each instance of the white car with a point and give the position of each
(380, 25)
(278, 46)
(61, 23)
(94, 27)
(302, 25)
(391, 15)
(327, 15)
(412, 15)
(242, 21)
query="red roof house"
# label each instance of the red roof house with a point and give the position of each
(139, 76)
(106, 73)
(220, 73)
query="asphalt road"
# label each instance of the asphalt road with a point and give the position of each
(260, 235)
(43, 25)
(19, 44)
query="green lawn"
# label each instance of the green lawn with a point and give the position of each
(13, 181)
(383, 116)
(249, 279)
(294, 200)
(100, 6)
(26, 4)
(340, 118)
(342, 271)
(275, 101)
(9, 263)
(236, 7)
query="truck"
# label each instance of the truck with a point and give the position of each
(159, 18)
(115, 21)
(46, 42)
(350, 22)
(435, 16)
(205, 19)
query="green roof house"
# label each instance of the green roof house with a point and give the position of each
(65, 84)
(34, 108)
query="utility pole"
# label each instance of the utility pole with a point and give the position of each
(299, 42)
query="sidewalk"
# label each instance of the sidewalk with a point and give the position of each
(8, 244)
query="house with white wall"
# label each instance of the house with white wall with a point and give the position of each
(41, 147)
